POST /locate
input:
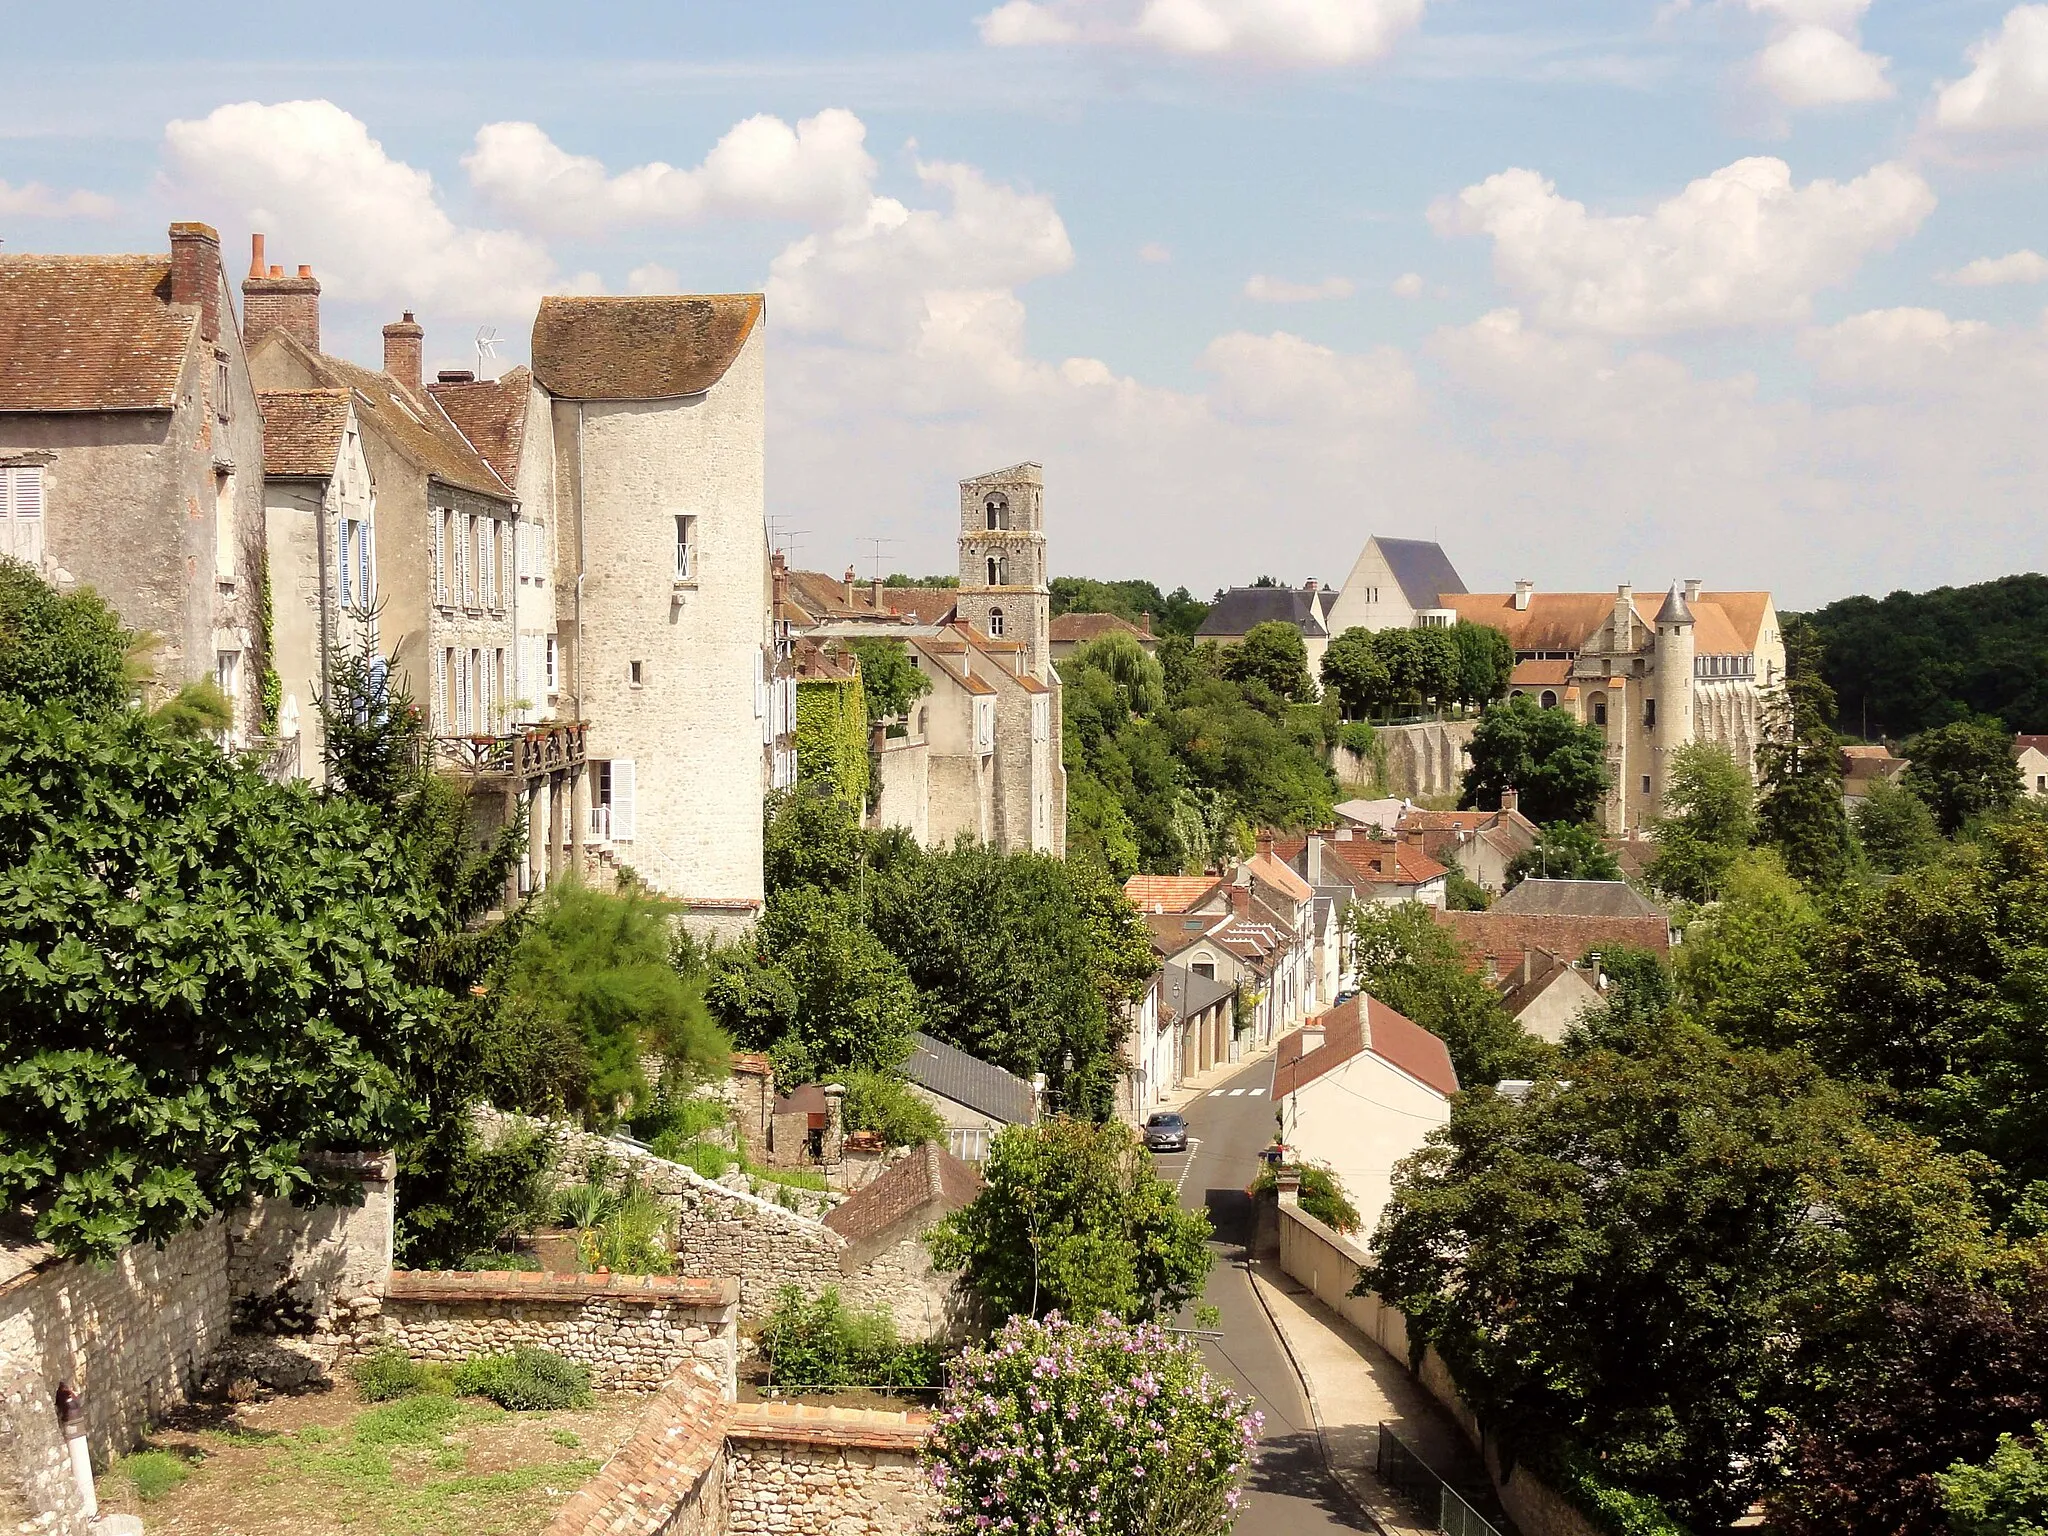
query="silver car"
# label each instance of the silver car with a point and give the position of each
(1166, 1132)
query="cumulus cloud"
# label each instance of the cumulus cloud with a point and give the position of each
(310, 175)
(1278, 290)
(33, 200)
(652, 277)
(1991, 271)
(1409, 285)
(1743, 246)
(1281, 377)
(1153, 253)
(818, 172)
(1295, 33)
(2006, 90)
(1815, 57)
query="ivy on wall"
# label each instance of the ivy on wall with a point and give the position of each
(832, 737)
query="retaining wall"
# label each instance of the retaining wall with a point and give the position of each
(1421, 760)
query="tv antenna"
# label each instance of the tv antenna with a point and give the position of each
(487, 344)
(875, 553)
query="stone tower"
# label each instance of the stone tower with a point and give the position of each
(1674, 657)
(1004, 583)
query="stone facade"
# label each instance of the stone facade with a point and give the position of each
(829, 1471)
(633, 1331)
(1425, 760)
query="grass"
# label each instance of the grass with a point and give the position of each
(154, 1473)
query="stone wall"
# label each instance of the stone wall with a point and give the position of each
(293, 1267)
(669, 1479)
(633, 1331)
(843, 1471)
(1421, 760)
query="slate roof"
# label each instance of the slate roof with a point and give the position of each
(1421, 569)
(1240, 608)
(923, 1186)
(651, 348)
(1577, 898)
(952, 1074)
(1183, 994)
(90, 333)
(1365, 1024)
(302, 432)
(1173, 932)
(491, 413)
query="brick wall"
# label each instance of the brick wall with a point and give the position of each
(847, 1471)
(633, 1331)
(669, 1479)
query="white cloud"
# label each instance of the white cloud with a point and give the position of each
(1990, 271)
(33, 200)
(819, 172)
(1811, 66)
(1409, 285)
(1742, 246)
(1153, 253)
(1282, 377)
(1278, 290)
(652, 277)
(1282, 32)
(310, 176)
(2006, 90)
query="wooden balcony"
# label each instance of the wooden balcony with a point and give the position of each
(530, 753)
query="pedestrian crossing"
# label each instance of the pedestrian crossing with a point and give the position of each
(1234, 1093)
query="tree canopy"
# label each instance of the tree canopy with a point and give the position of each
(1178, 612)
(1963, 771)
(1709, 820)
(1415, 966)
(1558, 766)
(1275, 656)
(69, 649)
(1567, 850)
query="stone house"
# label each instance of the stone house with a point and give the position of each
(1194, 1027)
(1479, 844)
(1546, 994)
(1239, 610)
(1698, 666)
(1374, 869)
(1396, 584)
(1359, 1089)
(131, 453)
(1864, 765)
(2030, 756)
(1495, 942)
(320, 529)
(1070, 631)
(974, 1098)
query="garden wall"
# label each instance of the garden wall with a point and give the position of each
(846, 1471)
(1327, 1263)
(635, 1332)
(669, 1479)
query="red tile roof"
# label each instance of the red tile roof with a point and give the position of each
(1268, 868)
(1080, 628)
(1391, 863)
(302, 431)
(90, 333)
(1170, 893)
(653, 348)
(1507, 936)
(922, 1186)
(1365, 1024)
(491, 413)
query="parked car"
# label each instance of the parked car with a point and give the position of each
(1166, 1132)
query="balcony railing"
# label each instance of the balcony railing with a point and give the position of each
(277, 757)
(527, 754)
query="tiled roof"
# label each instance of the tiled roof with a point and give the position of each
(935, 659)
(90, 333)
(1273, 872)
(1518, 992)
(1577, 898)
(1373, 813)
(491, 413)
(1385, 863)
(1506, 936)
(928, 1183)
(1365, 1024)
(652, 348)
(2025, 743)
(1540, 674)
(1745, 614)
(302, 431)
(1567, 621)
(1421, 569)
(930, 605)
(815, 664)
(1173, 932)
(951, 1073)
(1240, 608)
(1080, 628)
(1170, 893)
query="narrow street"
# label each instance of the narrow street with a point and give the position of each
(1291, 1490)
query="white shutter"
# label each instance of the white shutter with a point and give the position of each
(21, 513)
(622, 799)
(440, 687)
(486, 721)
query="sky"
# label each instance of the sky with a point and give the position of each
(1617, 290)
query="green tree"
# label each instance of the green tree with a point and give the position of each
(1072, 1219)
(890, 681)
(1896, 829)
(1799, 810)
(1709, 820)
(1748, 958)
(1408, 961)
(68, 649)
(856, 1004)
(1177, 612)
(1566, 851)
(1272, 654)
(2006, 1496)
(205, 979)
(1963, 772)
(1558, 766)
(1139, 679)
(1354, 670)
(882, 1102)
(1486, 660)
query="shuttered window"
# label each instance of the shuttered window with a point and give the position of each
(622, 800)
(21, 512)
(345, 564)
(441, 522)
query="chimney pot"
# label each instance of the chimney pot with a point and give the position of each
(195, 273)
(455, 376)
(404, 349)
(256, 267)
(305, 269)
(272, 301)
(277, 271)
(1510, 799)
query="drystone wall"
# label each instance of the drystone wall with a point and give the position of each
(635, 1332)
(1421, 760)
(291, 1268)
(846, 1471)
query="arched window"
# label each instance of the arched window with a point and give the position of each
(995, 571)
(998, 509)
(1549, 699)
(995, 622)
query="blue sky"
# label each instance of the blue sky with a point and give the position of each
(1615, 290)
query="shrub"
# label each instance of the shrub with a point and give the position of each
(528, 1377)
(1068, 1427)
(682, 1116)
(2006, 1496)
(819, 1343)
(497, 1258)
(1357, 736)
(633, 1237)
(585, 1205)
(881, 1101)
(1322, 1195)
(706, 1158)
(387, 1374)
(154, 1473)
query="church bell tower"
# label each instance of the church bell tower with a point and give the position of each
(1005, 589)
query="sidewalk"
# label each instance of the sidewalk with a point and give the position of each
(1198, 1085)
(1353, 1386)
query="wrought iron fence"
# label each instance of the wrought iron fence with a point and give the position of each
(1411, 1479)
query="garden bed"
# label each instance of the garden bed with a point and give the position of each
(328, 1461)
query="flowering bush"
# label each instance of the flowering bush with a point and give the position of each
(1103, 1429)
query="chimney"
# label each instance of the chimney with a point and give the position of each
(875, 588)
(1624, 613)
(273, 302)
(852, 577)
(1145, 622)
(1528, 966)
(1692, 589)
(455, 376)
(1511, 799)
(1309, 585)
(1265, 841)
(195, 274)
(1522, 591)
(1311, 1036)
(404, 351)
(778, 565)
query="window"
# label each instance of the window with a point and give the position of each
(345, 564)
(1599, 709)
(224, 565)
(443, 519)
(619, 789)
(227, 674)
(633, 673)
(1549, 699)
(487, 567)
(1206, 969)
(366, 566)
(995, 622)
(994, 571)
(551, 668)
(1646, 783)
(21, 513)
(997, 508)
(686, 547)
(1649, 714)
(601, 800)
(1041, 718)
(984, 725)
(220, 385)
(2041, 783)
(486, 695)
(499, 693)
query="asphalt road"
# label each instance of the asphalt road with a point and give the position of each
(1291, 1490)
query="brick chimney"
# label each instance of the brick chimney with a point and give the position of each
(852, 579)
(195, 273)
(1511, 799)
(404, 351)
(273, 302)
(778, 565)
(875, 593)
(1265, 841)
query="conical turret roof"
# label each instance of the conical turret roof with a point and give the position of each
(1675, 610)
